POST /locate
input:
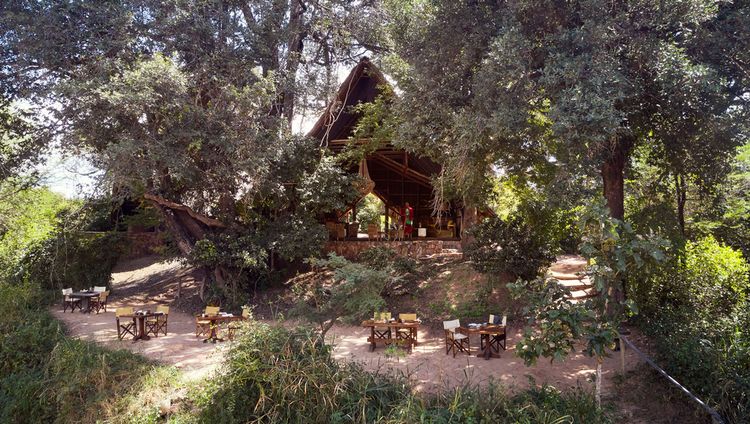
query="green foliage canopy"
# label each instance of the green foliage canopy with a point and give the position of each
(579, 82)
(354, 293)
(510, 246)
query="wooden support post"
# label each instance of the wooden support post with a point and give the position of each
(622, 356)
(387, 222)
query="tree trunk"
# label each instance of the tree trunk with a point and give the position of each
(613, 182)
(294, 56)
(186, 227)
(181, 236)
(613, 179)
(468, 219)
(681, 194)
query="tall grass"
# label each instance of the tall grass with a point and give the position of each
(48, 377)
(273, 375)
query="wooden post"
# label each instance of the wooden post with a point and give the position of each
(387, 222)
(598, 390)
(622, 356)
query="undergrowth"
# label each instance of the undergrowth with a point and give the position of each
(276, 375)
(695, 309)
(48, 377)
(270, 375)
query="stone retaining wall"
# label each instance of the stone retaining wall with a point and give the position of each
(413, 248)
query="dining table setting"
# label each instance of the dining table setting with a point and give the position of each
(85, 296)
(140, 317)
(490, 336)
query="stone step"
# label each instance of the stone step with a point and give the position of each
(565, 276)
(576, 284)
(582, 294)
(569, 264)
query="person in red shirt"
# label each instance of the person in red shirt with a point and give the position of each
(407, 219)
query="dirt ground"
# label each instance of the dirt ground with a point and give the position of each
(429, 368)
(145, 283)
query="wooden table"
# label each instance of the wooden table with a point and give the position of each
(215, 321)
(378, 334)
(487, 348)
(87, 295)
(140, 326)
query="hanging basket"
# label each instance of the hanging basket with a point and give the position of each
(365, 184)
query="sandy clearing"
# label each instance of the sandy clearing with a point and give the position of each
(430, 368)
(145, 283)
(179, 347)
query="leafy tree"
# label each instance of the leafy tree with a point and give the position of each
(578, 81)
(581, 82)
(353, 293)
(27, 217)
(19, 150)
(556, 323)
(189, 104)
(724, 41)
(734, 225)
(369, 211)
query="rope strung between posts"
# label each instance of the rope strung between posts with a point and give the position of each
(715, 415)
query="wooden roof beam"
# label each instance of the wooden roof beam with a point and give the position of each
(397, 167)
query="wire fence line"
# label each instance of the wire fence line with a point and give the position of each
(714, 415)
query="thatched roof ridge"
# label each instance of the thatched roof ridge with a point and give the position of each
(361, 86)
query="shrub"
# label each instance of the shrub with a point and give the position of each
(695, 309)
(353, 293)
(70, 258)
(558, 227)
(382, 257)
(508, 246)
(275, 375)
(47, 377)
(45, 245)
(736, 233)
(705, 280)
(565, 230)
(26, 217)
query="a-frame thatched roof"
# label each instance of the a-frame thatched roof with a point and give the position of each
(363, 85)
(399, 176)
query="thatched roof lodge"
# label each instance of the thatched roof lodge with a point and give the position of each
(399, 176)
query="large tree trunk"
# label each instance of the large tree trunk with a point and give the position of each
(294, 56)
(598, 390)
(181, 237)
(469, 218)
(613, 179)
(187, 227)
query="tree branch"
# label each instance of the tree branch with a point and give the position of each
(210, 222)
